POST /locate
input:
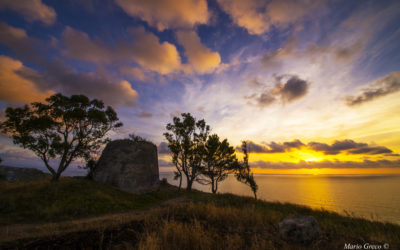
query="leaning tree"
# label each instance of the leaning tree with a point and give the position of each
(186, 137)
(63, 128)
(243, 172)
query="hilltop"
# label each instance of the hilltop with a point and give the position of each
(78, 213)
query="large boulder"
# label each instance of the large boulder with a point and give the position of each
(299, 229)
(129, 165)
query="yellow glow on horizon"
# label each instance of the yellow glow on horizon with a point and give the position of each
(328, 171)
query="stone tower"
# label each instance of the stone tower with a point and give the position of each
(129, 165)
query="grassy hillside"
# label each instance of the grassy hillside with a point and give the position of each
(185, 220)
(45, 201)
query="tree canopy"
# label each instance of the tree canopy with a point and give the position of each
(63, 128)
(186, 137)
(219, 160)
(204, 158)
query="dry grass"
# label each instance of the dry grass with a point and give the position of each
(166, 220)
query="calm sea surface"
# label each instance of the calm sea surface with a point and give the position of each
(367, 196)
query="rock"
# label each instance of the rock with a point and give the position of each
(129, 165)
(21, 174)
(299, 229)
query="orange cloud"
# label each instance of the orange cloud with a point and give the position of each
(136, 72)
(145, 50)
(55, 74)
(201, 58)
(15, 88)
(148, 52)
(32, 10)
(258, 16)
(246, 14)
(79, 45)
(167, 14)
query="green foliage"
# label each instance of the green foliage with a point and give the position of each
(69, 198)
(243, 173)
(219, 160)
(66, 128)
(186, 137)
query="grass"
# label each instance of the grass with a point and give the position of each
(188, 220)
(45, 201)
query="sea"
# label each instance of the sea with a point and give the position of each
(373, 197)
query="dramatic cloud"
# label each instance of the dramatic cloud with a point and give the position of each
(344, 146)
(137, 73)
(167, 14)
(201, 58)
(343, 53)
(382, 87)
(258, 16)
(24, 46)
(293, 89)
(347, 146)
(14, 87)
(54, 76)
(80, 46)
(288, 88)
(272, 147)
(96, 84)
(145, 50)
(265, 99)
(371, 150)
(32, 10)
(326, 164)
(148, 52)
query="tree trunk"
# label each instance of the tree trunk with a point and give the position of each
(180, 183)
(189, 183)
(56, 177)
(212, 186)
(255, 195)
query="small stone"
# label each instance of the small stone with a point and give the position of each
(299, 229)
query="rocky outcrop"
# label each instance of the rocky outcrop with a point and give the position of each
(299, 229)
(21, 174)
(129, 165)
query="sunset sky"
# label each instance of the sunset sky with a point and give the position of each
(313, 86)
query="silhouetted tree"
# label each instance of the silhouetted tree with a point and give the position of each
(1, 160)
(186, 137)
(66, 128)
(243, 173)
(219, 159)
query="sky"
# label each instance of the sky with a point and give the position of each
(313, 86)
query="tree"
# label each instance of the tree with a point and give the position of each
(219, 159)
(65, 128)
(186, 138)
(90, 166)
(1, 160)
(243, 173)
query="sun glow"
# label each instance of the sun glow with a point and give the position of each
(313, 159)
